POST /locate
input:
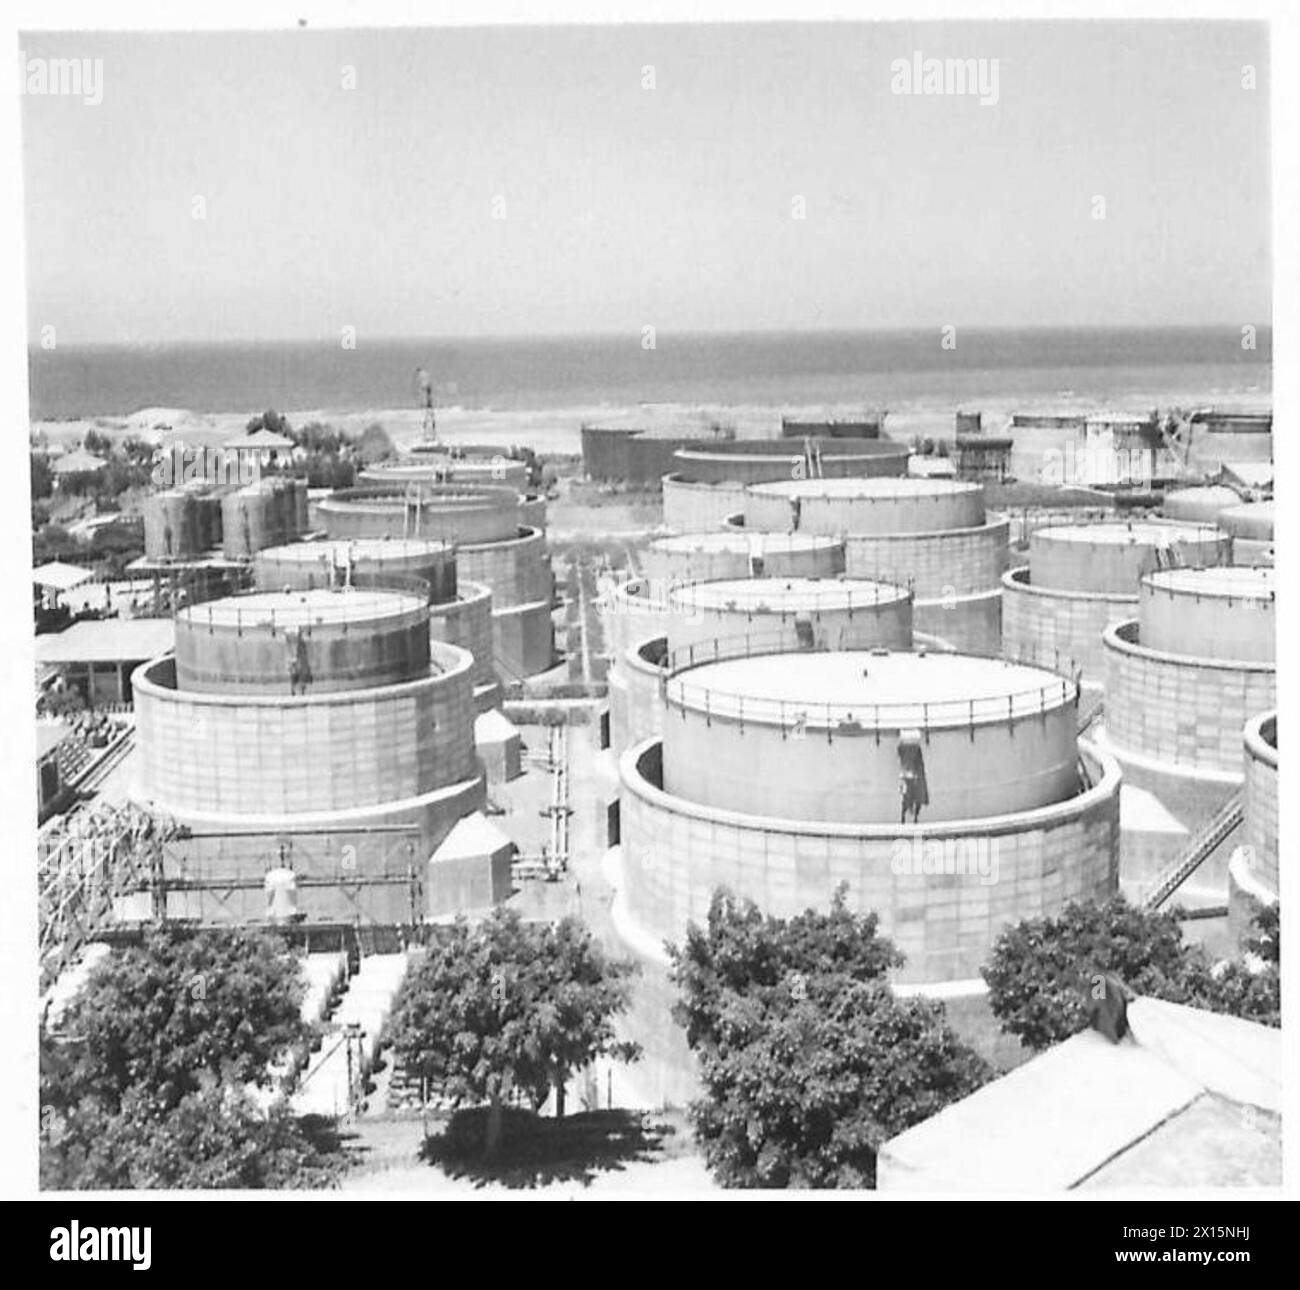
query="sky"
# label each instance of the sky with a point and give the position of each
(533, 181)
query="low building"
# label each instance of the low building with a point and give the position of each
(97, 656)
(1187, 1099)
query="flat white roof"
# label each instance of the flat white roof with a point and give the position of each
(1078, 1108)
(739, 540)
(874, 486)
(107, 640)
(302, 608)
(338, 549)
(860, 679)
(787, 593)
(1218, 580)
(1140, 532)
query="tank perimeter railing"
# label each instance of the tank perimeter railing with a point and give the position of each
(841, 593)
(227, 613)
(1063, 689)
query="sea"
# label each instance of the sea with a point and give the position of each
(869, 369)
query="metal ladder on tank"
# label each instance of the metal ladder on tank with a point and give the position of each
(1204, 843)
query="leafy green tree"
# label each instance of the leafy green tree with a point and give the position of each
(161, 1016)
(42, 477)
(212, 1139)
(147, 1084)
(1041, 969)
(374, 445)
(808, 1060)
(509, 1006)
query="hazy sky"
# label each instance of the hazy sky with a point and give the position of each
(624, 206)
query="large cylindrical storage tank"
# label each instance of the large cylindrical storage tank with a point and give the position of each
(174, 525)
(295, 642)
(876, 506)
(1113, 557)
(754, 461)
(1251, 528)
(430, 469)
(266, 513)
(701, 557)
(460, 513)
(1199, 505)
(1223, 613)
(822, 736)
(302, 565)
(792, 613)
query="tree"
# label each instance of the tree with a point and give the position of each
(157, 1018)
(147, 1085)
(212, 1139)
(374, 445)
(808, 1060)
(42, 477)
(1041, 969)
(507, 1007)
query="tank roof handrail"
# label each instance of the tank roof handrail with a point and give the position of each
(1033, 700)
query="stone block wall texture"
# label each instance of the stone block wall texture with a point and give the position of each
(1260, 824)
(971, 623)
(1041, 619)
(676, 854)
(940, 563)
(636, 710)
(241, 756)
(523, 639)
(1186, 712)
(467, 622)
(518, 571)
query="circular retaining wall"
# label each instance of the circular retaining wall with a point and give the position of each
(245, 755)
(990, 872)
(1180, 710)
(1069, 621)
(459, 513)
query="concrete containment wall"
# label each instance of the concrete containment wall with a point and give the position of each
(467, 622)
(524, 639)
(944, 562)
(971, 622)
(943, 892)
(636, 709)
(225, 755)
(517, 569)
(699, 508)
(1177, 709)
(1042, 618)
(1225, 613)
(1261, 798)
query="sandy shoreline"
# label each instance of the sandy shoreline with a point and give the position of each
(557, 430)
